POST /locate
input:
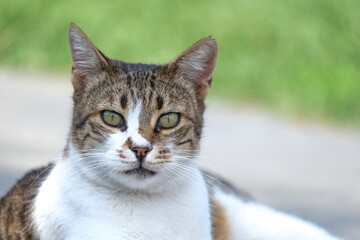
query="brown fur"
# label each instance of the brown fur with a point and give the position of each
(220, 224)
(15, 207)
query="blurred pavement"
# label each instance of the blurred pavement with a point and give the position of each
(306, 169)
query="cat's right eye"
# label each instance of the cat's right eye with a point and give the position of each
(112, 119)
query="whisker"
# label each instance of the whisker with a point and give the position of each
(37, 176)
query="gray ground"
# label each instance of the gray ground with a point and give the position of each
(303, 168)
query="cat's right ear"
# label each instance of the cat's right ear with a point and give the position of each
(87, 60)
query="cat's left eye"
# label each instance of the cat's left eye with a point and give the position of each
(169, 120)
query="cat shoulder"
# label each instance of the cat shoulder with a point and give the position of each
(16, 206)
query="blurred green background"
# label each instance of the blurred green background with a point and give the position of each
(296, 56)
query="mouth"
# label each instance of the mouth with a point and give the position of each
(140, 172)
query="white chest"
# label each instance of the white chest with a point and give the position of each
(83, 211)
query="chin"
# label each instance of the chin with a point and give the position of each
(146, 182)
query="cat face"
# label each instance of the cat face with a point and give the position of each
(136, 125)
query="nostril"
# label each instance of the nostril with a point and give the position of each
(140, 151)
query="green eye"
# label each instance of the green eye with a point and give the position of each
(113, 119)
(169, 120)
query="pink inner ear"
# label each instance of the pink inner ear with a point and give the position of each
(206, 73)
(86, 58)
(197, 64)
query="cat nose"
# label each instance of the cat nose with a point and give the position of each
(140, 152)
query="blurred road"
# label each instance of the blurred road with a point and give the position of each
(303, 168)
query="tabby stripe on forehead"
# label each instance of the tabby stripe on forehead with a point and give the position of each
(132, 94)
(128, 82)
(160, 102)
(146, 75)
(140, 87)
(152, 84)
(150, 96)
(123, 101)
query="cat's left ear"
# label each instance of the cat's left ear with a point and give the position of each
(197, 65)
(88, 61)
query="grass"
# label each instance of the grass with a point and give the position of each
(298, 56)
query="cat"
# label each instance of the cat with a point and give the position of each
(129, 169)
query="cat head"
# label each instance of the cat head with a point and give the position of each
(136, 125)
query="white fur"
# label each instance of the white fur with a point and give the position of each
(69, 206)
(117, 140)
(249, 220)
(134, 122)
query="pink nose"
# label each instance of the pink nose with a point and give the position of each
(140, 152)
